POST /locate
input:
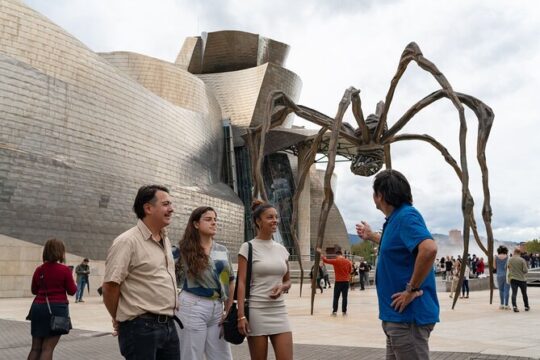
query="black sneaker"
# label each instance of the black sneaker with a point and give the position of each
(527, 308)
(516, 309)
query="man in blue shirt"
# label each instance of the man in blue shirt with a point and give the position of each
(408, 304)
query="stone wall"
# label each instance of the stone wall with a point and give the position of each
(475, 284)
(19, 259)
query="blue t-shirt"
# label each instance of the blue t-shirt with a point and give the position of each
(403, 231)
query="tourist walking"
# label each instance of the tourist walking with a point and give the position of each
(480, 266)
(442, 266)
(267, 318)
(50, 283)
(517, 268)
(474, 265)
(206, 279)
(449, 265)
(82, 271)
(363, 270)
(465, 284)
(139, 288)
(408, 304)
(342, 272)
(354, 272)
(456, 266)
(319, 277)
(501, 262)
(326, 277)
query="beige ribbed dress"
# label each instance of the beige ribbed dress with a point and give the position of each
(267, 316)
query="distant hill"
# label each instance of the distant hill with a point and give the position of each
(354, 239)
(446, 247)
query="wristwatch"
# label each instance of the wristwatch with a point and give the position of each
(410, 289)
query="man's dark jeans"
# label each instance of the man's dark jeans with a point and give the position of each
(362, 277)
(148, 339)
(522, 285)
(340, 288)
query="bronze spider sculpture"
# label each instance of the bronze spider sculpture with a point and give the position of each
(372, 140)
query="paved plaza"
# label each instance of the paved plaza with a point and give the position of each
(475, 330)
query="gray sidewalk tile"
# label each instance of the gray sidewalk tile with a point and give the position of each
(15, 344)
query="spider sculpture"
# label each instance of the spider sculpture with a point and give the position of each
(372, 140)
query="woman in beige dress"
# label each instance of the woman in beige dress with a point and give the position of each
(268, 317)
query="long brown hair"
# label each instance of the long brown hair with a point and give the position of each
(190, 246)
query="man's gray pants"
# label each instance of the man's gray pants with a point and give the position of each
(407, 341)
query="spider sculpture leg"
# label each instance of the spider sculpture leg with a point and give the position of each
(328, 200)
(413, 53)
(279, 105)
(485, 118)
(304, 164)
(253, 141)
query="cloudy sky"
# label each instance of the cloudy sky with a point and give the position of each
(489, 49)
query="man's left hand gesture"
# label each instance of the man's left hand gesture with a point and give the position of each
(402, 299)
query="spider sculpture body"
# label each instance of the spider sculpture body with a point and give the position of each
(372, 141)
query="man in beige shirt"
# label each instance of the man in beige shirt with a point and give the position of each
(139, 288)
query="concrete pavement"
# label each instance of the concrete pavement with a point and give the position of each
(475, 330)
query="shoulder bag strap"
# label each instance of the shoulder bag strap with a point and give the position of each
(42, 277)
(248, 274)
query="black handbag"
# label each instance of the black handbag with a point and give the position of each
(230, 324)
(59, 324)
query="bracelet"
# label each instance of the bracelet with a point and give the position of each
(241, 318)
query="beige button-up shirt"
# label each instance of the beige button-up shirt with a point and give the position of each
(145, 272)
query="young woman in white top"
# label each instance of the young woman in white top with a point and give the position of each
(267, 314)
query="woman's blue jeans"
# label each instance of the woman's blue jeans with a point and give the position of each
(504, 289)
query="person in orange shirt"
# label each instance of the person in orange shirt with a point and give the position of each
(342, 271)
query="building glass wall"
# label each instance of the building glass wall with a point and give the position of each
(244, 185)
(279, 185)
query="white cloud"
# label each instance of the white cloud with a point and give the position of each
(488, 49)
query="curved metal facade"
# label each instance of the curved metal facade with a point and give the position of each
(230, 50)
(81, 132)
(79, 136)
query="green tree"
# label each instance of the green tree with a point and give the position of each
(365, 249)
(532, 246)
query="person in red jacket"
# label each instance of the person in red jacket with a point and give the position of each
(342, 272)
(480, 267)
(52, 279)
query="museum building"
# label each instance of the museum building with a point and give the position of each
(82, 131)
